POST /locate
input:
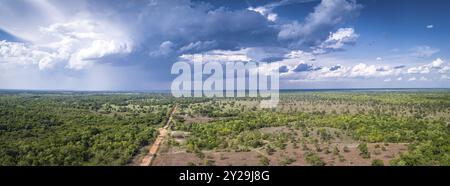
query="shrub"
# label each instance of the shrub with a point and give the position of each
(264, 161)
(364, 151)
(377, 162)
(314, 159)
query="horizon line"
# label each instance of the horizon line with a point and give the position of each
(305, 89)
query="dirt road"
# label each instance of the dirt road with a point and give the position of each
(147, 160)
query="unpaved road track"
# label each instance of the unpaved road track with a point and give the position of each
(147, 160)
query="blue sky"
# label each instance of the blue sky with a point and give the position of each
(131, 45)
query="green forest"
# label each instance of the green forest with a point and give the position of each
(77, 128)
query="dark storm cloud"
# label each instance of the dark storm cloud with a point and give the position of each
(334, 68)
(283, 69)
(399, 67)
(303, 67)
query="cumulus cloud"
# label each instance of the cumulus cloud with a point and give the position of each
(437, 63)
(95, 51)
(419, 70)
(150, 35)
(367, 71)
(363, 70)
(23, 54)
(430, 26)
(165, 28)
(337, 40)
(85, 41)
(77, 44)
(328, 15)
(164, 49)
(301, 65)
(444, 70)
(358, 71)
(425, 69)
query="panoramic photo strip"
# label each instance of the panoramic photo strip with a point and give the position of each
(224, 91)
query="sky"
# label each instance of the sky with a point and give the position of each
(132, 45)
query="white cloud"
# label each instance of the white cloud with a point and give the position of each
(369, 71)
(363, 70)
(78, 43)
(444, 70)
(437, 63)
(425, 69)
(379, 59)
(358, 71)
(199, 45)
(85, 41)
(299, 54)
(23, 54)
(326, 16)
(265, 12)
(337, 40)
(419, 70)
(165, 48)
(220, 56)
(98, 49)
(430, 26)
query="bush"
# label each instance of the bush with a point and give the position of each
(377, 162)
(336, 151)
(314, 159)
(364, 151)
(264, 161)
